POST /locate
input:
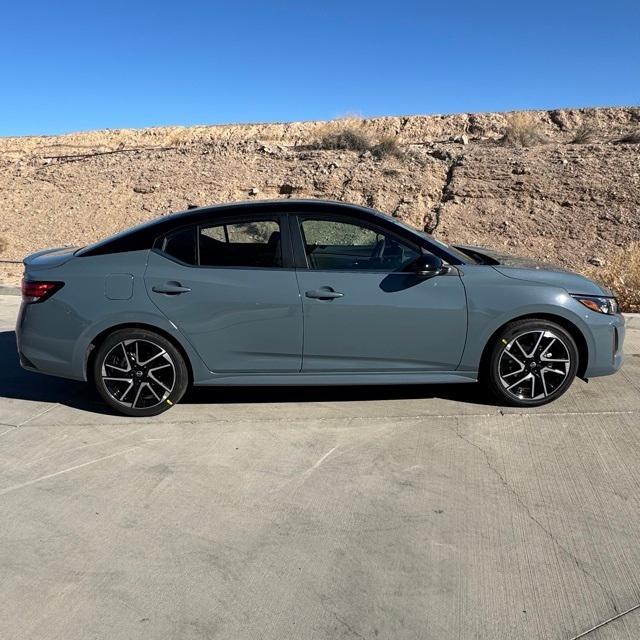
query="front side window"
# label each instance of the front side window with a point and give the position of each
(334, 245)
(241, 244)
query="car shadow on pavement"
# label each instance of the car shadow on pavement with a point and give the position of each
(467, 393)
(19, 384)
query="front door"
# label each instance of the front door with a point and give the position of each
(227, 288)
(363, 313)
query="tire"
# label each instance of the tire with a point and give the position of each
(139, 372)
(531, 362)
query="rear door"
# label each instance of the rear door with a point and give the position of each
(229, 286)
(362, 312)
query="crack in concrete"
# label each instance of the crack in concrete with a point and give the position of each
(48, 476)
(578, 563)
(330, 607)
(605, 622)
(415, 416)
(12, 427)
(39, 415)
(347, 626)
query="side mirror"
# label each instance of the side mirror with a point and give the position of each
(427, 265)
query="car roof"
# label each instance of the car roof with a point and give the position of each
(282, 204)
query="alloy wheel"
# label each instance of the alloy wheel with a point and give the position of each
(138, 374)
(534, 365)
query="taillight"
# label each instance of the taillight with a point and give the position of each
(39, 290)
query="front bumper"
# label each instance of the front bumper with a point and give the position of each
(606, 353)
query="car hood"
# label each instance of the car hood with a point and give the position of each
(49, 258)
(521, 268)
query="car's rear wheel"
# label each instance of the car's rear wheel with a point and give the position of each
(139, 372)
(531, 362)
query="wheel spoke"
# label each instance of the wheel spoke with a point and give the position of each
(544, 383)
(127, 392)
(135, 400)
(549, 345)
(158, 398)
(513, 373)
(562, 373)
(131, 358)
(533, 387)
(524, 353)
(508, 353)
(515, 384)
(148, 360)
(535, 348)
(162, 366)
(126, 360)
(164, 386)
(545, 358)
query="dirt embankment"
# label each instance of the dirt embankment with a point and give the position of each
(572, 196)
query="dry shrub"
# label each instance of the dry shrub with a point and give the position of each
(584, 134)
(3, 244)
(633, 137)
(388, 146)
(348, 134)
(621, 274)
(177, 138)
(347, 139)
(521, 130)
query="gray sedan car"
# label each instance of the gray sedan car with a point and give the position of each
(306, 292)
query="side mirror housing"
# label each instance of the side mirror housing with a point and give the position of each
(427, 265)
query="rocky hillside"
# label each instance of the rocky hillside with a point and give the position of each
(561, 185)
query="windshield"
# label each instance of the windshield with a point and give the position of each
(463, 257)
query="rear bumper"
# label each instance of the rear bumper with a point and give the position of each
(606, 352)
(45, 337)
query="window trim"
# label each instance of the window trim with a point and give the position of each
(300, 253)
(280, 218)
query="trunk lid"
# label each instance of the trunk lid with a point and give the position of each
(48, 258)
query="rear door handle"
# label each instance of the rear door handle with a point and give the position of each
(324, 293)
(170, 288)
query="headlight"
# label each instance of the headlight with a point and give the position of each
(599, 304)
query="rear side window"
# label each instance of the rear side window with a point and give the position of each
(241, 244)
(181, 245)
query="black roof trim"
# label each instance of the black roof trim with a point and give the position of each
(142, 237)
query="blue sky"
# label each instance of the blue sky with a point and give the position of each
(68, 66)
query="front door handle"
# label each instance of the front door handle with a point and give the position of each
(324, 293)
(170, 288)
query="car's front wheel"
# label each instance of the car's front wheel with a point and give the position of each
(139, 372)
(531, 362)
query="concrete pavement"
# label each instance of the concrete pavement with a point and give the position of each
(417, 512)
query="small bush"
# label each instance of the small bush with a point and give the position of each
(621, 274)
(521, 131)
(348, 139)
(3, 244)
(388, 146)
(633, 137)
(584, 134)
